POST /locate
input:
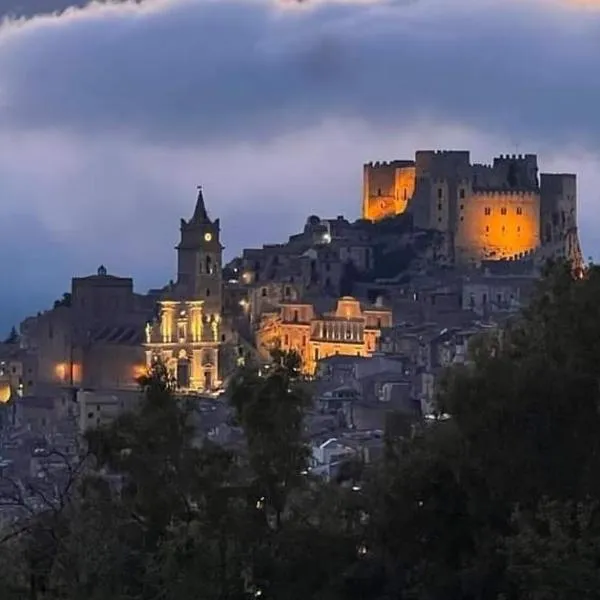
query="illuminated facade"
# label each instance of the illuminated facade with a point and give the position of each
(187, 334)
(494, 212)
(347, 330)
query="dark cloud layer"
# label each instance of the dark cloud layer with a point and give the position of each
(231, 69)
(110, 116)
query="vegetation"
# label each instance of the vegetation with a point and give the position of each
(501, 501)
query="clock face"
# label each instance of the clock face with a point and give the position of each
(208, 237)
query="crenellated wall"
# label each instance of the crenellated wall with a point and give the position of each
(498, 224)
(487, 211)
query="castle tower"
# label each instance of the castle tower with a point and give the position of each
(187, 336)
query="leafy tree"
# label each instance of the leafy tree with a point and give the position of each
(13, 336)
(270, 410)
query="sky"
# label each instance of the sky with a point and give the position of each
(112, 114)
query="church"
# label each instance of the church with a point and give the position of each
(186, 336)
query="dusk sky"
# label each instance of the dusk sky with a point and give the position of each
(112, 114)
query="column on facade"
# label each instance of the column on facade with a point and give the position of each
(215, 327)
(197, 372)
(166, 322)
(196, 321)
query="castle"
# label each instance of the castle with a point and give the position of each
(486, 212)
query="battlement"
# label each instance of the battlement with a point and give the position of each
(460, 181)
(389, 163)
(504, 192)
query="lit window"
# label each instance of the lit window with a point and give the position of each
(488, 211)
(503, 211)
(519, 210)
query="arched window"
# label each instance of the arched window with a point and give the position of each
(209, 265)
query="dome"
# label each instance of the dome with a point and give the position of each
(5, 392)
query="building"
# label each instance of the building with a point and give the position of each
(97, 409)
(349, 329)
(497, 211)
(187, 334)
(91, 338)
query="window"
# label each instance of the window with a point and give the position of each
(461, 194)
(288, 291)
(503, 211)
(296, 319)
(487, 211)
(462, 207)
(440, 206)
(286, 339)
(518, 230)
(487, 229)
(304, 340)
(503, 229)
(519, 210)
(440, 193)
(316, 354)
(207, 292)
(379, 191)
(222, 337)
(263, 292)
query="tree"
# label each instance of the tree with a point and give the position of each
(13, 336)
(270, 409)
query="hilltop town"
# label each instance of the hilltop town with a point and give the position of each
(376, 308)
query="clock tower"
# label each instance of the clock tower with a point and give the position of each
(187, 336)
(199, 257)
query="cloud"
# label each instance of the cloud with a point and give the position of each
(244, 70)
(110, 115)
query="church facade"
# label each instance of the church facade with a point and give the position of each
(186, 336)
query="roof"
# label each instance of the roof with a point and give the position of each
(125, 335)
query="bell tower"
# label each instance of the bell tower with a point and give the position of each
(199, 259)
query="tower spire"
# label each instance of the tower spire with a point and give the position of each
(200, 215)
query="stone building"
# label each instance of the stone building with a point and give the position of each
(187, 334)
(91, 338)
(348, 329)
(497, 211)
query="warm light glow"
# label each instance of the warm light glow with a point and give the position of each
(327, 238)
(139, 371)
(61, 370)
(208, 237)
(499, 225)
(246, 277)
(5, 392)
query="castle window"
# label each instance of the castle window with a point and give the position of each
(316, 354)
(304, 340)
(287, 290)
(286, 340)
(440, 206)
(487, 229)
(503, 211)
(440, 192)
(503, 229)
(462, 218)
(207, 292)
(263, 292)
(518, 230)
(519, 210)
(222, 337)
(208, 263)
(487, 211)
(462, 207)
(461, 194)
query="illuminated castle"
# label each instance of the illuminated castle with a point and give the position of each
(493, 212)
